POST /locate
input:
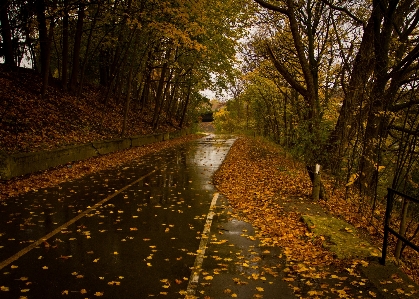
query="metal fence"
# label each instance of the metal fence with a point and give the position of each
(387, 229)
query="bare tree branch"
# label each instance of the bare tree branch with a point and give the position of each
(403, 65)
(346, 11)
(402, 106)
(405, 130)
(272, 7)
(287, 76)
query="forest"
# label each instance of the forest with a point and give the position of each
(336, 84)
(149, 58)
(333, 82)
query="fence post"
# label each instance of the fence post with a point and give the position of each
(316, 183)
(387, 225)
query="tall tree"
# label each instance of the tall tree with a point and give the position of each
(45, 40)
(77, 47)
(308, 26)
(6, 34)
(65, 49)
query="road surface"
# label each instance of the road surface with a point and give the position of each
(156, 227)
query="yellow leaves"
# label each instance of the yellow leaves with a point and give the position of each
(352, 179)
(184, 293)
(364, 263)
(239, 282)
(255, 276)
(380, 168)
(208, 277)
(260, 289)
(302, 268)
(315, 293)
(114, 283)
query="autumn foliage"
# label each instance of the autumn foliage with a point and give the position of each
(261, 181)
(29, 124)
(252, 179)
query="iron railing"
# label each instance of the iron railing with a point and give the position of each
(388, 229)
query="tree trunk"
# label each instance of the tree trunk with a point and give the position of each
(64, 77)
(6, 34)
(185, 108)
(166, 91)
(354, 93)
(86, 54)
(77, 48)
(169, 109)
(104, 69)
(159, 93)
(45, 43)
(146, 90)
(127, 101)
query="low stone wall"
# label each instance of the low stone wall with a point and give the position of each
(23, 163)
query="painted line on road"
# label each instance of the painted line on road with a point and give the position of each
(193, 280)
(35, 244)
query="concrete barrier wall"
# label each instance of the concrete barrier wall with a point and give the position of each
(23, 163)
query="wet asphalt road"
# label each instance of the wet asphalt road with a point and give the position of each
(152, 228)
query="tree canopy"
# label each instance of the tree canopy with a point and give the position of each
(336, 82)
(157, 54)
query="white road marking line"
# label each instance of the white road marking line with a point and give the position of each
(193, 280)
(67, 224)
